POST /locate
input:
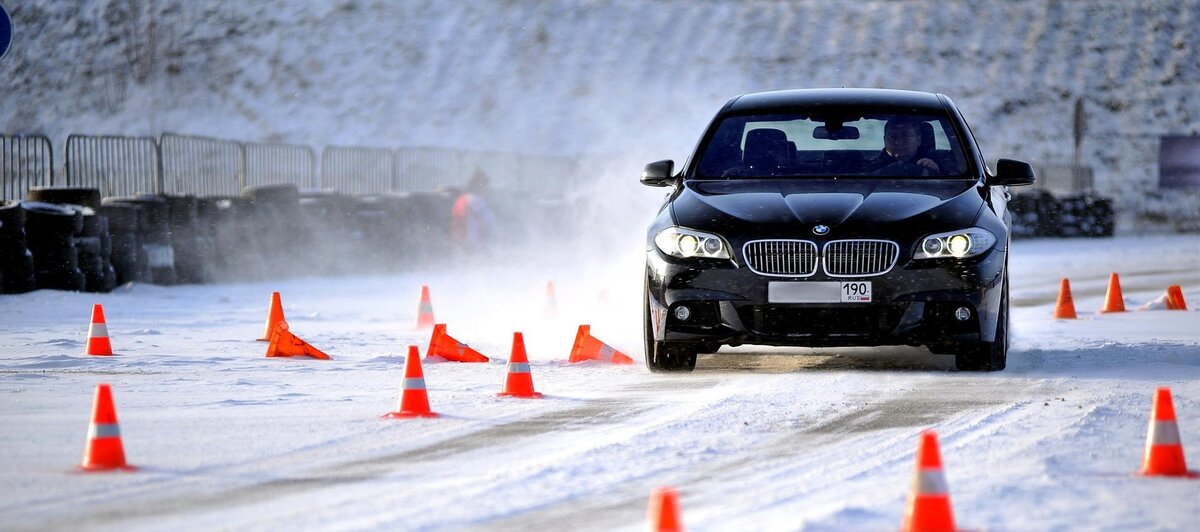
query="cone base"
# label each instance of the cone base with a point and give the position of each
(105, 468)
(533, 395)
(1187, 475)
(100, 354)
(409, 415)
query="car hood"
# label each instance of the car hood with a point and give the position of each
(850, 206)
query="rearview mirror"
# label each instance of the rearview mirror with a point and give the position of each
(659, 173)
(1011, 173)
(841, 133)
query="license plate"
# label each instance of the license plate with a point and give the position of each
(819, 292)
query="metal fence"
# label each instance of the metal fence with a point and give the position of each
(117, 166)
(25, 162)
(1063, 178)
(272, 164)
(183, 164)
(202, 166)
(357, 170)
(425, 169)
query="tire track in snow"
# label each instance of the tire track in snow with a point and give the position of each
(814, 451)
(594, 415)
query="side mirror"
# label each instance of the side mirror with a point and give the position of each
(659, 174)
(1011, 173)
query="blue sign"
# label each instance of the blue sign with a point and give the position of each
(5, 31)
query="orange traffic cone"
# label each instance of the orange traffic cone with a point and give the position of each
(1175, 298)
(425, 310)
(285, 344)
(519, 382)
(442, 345)
(663, 514)
(1164, 449)
(104, 451)
(551, 310)
(274, 316)
(587, 347)
(929, 502)
(1113, 300)
(97, 340)
(1065, 308)
(413, 400)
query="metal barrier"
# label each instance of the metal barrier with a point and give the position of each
(357, 170)
(25, 161)
(1063, 178)
(425, 169)
(117, 166)
(502, 169)
(202, 166)
(271, 164)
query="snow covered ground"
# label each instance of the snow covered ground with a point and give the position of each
(755, 439)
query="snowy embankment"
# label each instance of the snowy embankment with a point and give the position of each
(776, 439)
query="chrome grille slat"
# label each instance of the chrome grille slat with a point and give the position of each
(859, 258)
(781, 258)
(840, 258)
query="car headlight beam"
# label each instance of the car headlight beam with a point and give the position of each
(960, 244)
(686, 243)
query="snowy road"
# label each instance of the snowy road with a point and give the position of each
(770, 439)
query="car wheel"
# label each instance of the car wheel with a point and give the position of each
(988, 356)
(663, 357)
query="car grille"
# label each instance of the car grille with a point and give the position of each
(842, 258)
(856, 258)
(791, 258)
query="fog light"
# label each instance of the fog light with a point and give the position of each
(683, 313)
(962, 314)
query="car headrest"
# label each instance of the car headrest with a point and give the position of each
(765, 147)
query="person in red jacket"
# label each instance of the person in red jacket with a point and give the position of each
(472, 221)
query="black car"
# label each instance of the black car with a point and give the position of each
(831, 217)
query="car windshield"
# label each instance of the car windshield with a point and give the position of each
(834, 143)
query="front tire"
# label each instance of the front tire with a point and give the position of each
(666, 357)
(988, 356)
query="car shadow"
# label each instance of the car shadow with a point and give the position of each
(759, 359)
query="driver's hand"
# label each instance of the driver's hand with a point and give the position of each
(928, 163)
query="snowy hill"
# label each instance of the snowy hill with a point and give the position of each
(612, 77)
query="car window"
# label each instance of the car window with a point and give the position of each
(834, 143)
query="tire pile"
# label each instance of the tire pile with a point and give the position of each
(71, 239)
(1040, 213)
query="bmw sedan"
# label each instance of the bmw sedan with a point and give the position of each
(831, 217)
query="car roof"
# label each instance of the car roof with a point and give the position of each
(784, 99)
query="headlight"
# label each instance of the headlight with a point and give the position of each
(958, 244)
(686, 243)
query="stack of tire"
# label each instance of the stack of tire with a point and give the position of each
(282, 237)
(1025, 212)
(337, 245)
(422, 220)
(69, 238)
(156, 252)
(380, 233)
(126, 224)
(192, 246)
(1040, 213)
(16, 262)
(227, 234)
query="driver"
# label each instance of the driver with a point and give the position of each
(901, 142)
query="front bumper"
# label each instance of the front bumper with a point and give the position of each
(913, 304)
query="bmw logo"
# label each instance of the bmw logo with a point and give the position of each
(821, 230)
